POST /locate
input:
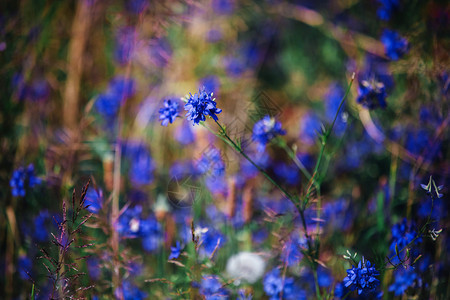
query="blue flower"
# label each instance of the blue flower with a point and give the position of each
(395, 46)
(362, 278)
(371, 93)
(211, 163)
(21, 178)
(403, 234)
(291, 253)
(201, 105)
(265, 130)
(94, 199)
(109, 102)
(169, 112)
(141, 164)
(24, 266)
(242, 296)
(310, 125)
(130, 291)
(184, 134)
(211, 288)
(332, 101)
(403, 280)
(210, 240)
(175, 251)
(274, 284)
(151, 233)
(386, 9)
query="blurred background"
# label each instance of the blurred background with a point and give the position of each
(82, 85)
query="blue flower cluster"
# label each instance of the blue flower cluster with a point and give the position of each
(362, 278)
(175, 251)
(371, 93)
(395, 46)
(131, 224)
(22, 178)
(403, 280)
(109, 102)
(275, 286)
(403, 234)
(212, 289)
(265, 130)
(201, 105)
(169, 112)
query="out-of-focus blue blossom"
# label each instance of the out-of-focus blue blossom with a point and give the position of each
(94, 198)
(211, 163)
(132, 225)
(309, 128)
(387, 7)
(109, 102)
(200, 105)
(265, 130)
(362, 278)
(93, 268)
(175, 251)
(337, 214)
(332, 101)
(224, 7)
(395, 46)
(130, 291)
(141, 164)
(24, 266)
(288, 173)
(181, 169)
(324, 277)
(371, 93)
(211, 83)
(184, 134)
(234, 66)
(22, 178)
(248, 170)
(292, 250)
(151, 233)
(210, 240)
(403, 234)
(41, 226)
(403, 280)
(169, 112)
(211, 288)
(274, 284)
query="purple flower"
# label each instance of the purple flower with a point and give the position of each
(201, 105)
(169, 112)
(265, 130)
(395, 46)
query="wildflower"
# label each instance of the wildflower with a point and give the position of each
(175, 251)
(371, 93)
(432, 189)
(395, 46)
(24, 266)
(310, 125)
(246, 266)
(403, 280)
(109, 102)
(201, 105)
(211, 163)
(211, 240)
(332, 101)
(21, 178)
(275, 284)
(242, 296)
(291, 253)
(184, 134)
(265, 130)
(402, 235)
(362, 278)
(141, 165)
(94, 200)
(211, 288)
(169, 112)
(386, 9)
(130, 292)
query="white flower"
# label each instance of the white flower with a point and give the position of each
(246, 266)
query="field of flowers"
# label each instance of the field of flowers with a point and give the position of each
(224, 149)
